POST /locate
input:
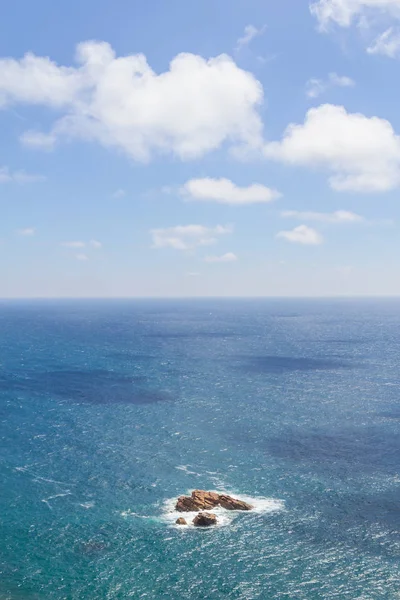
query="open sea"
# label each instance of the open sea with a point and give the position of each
(111, 409)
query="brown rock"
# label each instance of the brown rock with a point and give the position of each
(230, 503)
(199, 500)
(205, 520)
(181, 521)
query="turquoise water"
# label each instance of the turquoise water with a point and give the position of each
(110, 410)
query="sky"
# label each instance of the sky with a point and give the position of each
(203, 148)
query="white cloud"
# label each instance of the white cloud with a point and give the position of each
(81, 257)
(228, 257)
(7, 176)
(96, 244)
(316, 87)
(387, 44)
(250, 32)
(189, 110)
(119, 193)
(301, 235)
(345, 270)
(187, 237)
(225, 191)
(26, 232)
(342, 12)
(339, 216)
(362, 153)
(74, 244)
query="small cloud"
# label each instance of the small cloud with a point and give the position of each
(228, 257)
(81, 257)
(119, 193)
(74, 244)
(224, 191)
(387, 44)
(345, 270)
(167, 190)
(96, 244)
(192, 274)
(339, 216)
(316, 87)
(250, 32)
(301, 235)
(188, 237)
(8, 176)
(26, 232)
(36, 139)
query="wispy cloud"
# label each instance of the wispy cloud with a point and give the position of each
(250, 32)
(81, 257)
(119, 193)
(316, 87)
(28, 231)
(96, 244)
(301, 235)
(188, 237)
(387, 44)
(73, 244)
(345, 270)
(8, 176)
(228, 257)
(339, 216)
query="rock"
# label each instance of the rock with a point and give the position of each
(205, 520)
(230, 503)
(201, 500)
(181, 521)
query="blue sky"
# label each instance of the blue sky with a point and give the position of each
(230, 148)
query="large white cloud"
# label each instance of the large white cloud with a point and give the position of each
(342, 12)
(362, 153)
(225, 191)
(189, 110)
(188, 237)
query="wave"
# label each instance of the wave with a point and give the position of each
(261, 504)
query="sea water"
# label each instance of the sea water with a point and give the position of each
(109, 410)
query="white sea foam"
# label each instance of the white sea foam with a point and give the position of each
(130, 513)
(185, 469)
(87, 505)
(47, 500)
(261, 505)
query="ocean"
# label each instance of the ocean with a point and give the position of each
(109, 410)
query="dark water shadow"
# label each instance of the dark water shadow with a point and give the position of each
(342, 452)
(390, 414)
(92, 387)
(287, 364)
(192, 335)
